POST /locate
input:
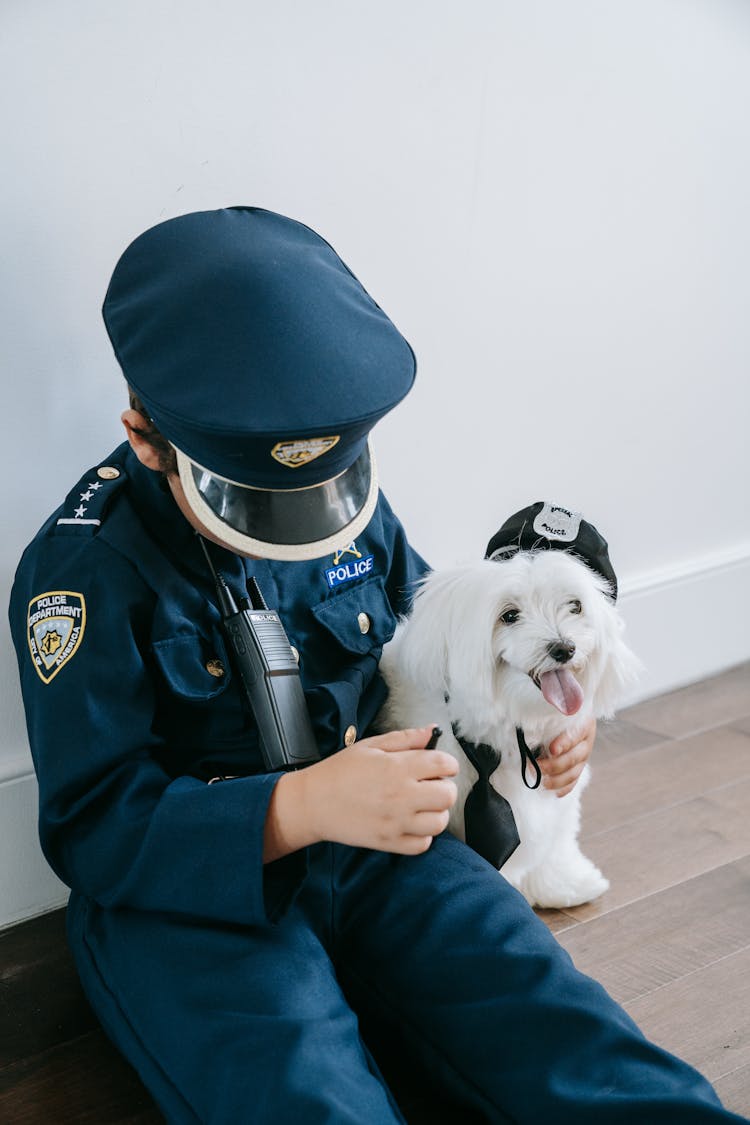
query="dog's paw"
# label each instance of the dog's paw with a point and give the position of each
(557, 887)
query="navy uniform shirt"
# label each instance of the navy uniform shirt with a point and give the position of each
(132, 706)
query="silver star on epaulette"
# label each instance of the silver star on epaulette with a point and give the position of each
(79, 512)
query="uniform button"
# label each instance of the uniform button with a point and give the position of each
(350, 736)
(108, 472)
(364, 622)
(295, 654)
(215, 667)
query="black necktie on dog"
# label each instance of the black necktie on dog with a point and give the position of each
(488, 818)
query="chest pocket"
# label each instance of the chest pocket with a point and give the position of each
(194, 668)
(200, 715)
(361, 620)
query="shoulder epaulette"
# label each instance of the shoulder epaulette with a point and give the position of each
(86, 504)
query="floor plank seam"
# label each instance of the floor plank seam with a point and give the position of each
(686, 976)
(669, 740)
(640, 817)
(644, 898)
(691, 732)
(729, 1073)
(728, 725)
(660, 740)
(48, 1052)
(566, 929)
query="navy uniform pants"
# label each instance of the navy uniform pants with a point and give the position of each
(233, 1024)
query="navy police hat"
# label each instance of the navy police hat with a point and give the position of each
(544, 526)
(264, 361)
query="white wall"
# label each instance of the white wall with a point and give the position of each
(549, 199)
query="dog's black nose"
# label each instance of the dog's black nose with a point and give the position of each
(561, 651)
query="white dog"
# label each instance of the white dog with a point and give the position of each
(531, 643)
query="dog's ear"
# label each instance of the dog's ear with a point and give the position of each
(447, 645)
(615, 668)
(423, 648)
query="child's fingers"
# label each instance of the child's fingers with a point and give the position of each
(429, 823)
(566, 741)
(435, 796)
(555, 767)
(415, 738)
(411, 845)
(562, 783)
(432, 764)
(422, 764)
(565, 790)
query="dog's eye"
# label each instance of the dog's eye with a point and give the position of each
(510, 616)
(575, 606)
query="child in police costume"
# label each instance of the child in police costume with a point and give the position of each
(246, 937)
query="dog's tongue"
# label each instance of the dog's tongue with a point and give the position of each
(562, 690)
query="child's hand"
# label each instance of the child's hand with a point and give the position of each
(568, 754)
(386, 792)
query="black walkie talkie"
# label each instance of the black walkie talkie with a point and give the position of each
(269, 674)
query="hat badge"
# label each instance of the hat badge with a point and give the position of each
(301, 451)
(554, 522)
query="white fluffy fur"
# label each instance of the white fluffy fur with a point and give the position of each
(454, 643)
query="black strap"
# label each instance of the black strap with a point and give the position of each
(488, 818)
(528, 756)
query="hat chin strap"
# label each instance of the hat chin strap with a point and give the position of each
(281, 552)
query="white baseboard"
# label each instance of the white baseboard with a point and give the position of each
(685, 624)
(688, 622)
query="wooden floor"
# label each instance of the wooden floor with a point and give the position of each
(667, 817)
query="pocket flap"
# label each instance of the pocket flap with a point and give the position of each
(192, 666)
(360, 619)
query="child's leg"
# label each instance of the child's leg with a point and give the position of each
(443, 951)
(231, 1024)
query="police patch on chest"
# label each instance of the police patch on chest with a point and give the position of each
(344, 571)
(56, 623)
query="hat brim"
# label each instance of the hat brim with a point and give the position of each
(288, 525)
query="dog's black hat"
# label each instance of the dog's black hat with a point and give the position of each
(542, 527)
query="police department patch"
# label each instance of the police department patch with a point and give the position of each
(56, 623)
(302, 451)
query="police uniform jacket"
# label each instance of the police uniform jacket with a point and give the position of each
(132, 705)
